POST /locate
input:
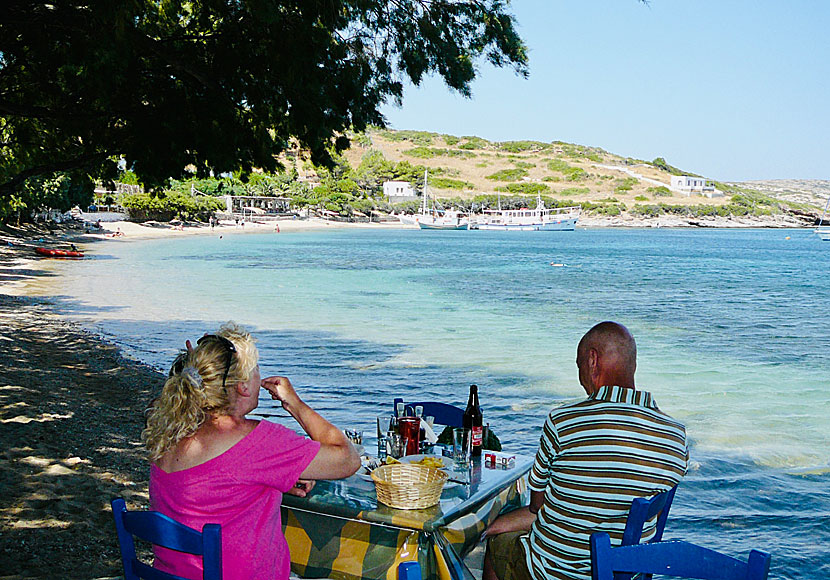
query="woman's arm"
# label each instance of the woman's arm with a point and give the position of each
(337, 457)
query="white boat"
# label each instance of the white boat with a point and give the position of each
(525, 219)
(823, 232)
(439, 219)
(408, 220)
(448, 220)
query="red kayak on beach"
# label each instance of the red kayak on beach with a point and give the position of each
(59, 253)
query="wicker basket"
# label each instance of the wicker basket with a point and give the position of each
(408, 487)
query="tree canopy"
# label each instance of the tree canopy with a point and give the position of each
(220, 85)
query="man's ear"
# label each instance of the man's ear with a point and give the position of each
(593, 363)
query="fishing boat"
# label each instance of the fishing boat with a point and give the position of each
(52, 253)
(446, 220)
(823, 232)
(436, 218)
(526, 219)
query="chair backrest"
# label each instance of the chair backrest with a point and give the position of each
(409, 570)
(444, 414)
(673, 558)
(643, 509)
(161, 530)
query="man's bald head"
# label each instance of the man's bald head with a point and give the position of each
(606, 356)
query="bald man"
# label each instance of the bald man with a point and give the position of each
(594, 458)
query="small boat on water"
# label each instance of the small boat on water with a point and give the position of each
(52, 253)
(439, 219)
(538, 219)
(447, 220)
(409, 220)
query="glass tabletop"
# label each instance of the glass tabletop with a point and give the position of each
(355, 497)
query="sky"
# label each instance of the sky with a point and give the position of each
(733, 90)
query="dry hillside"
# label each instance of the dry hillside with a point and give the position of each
(467, 166)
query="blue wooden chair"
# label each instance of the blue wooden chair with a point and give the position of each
(409, 570)
(444, 414)
(161, 530)
(673, 558)
(643, 509)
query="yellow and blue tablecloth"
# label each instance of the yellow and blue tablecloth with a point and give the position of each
(340, 530)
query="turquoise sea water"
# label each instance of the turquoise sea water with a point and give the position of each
(729, 325)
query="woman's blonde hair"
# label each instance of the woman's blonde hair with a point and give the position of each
(194, 388)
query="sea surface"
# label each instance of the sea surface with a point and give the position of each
(731, 327)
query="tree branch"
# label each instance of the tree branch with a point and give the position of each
(7, 188)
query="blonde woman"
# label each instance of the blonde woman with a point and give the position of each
(212, 465)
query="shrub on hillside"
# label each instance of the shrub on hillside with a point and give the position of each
(472, 142)
(558, 165)
(623, 185)
(524, 164)
(661, 191)
(525, 187)
(446, 183)
(575, 191)
(508, 175)
(521, 146)
(575, 174)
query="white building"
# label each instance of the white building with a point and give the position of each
(398, 191)
(688, 185)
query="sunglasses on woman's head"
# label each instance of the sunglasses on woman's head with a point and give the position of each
(228, 345)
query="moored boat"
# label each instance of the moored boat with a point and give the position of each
(53, 253)
(538, 219)
(439, 219)
(446, 221)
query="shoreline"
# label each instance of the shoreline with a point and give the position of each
(71, 430)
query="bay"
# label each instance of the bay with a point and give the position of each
(729, 326)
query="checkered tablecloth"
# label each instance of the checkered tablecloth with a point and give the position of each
(341, 532)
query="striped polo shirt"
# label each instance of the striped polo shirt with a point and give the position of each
(594, 458)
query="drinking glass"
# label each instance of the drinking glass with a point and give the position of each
(354, 435)
(430, 420)
(461, 448)
(419, 411)
(396, 445)
(410, 427)
(400, 409)
(384, 426)
(383, 447)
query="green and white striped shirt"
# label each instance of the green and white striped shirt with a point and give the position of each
(594, 458)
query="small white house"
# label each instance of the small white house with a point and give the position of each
(399, 191)
(689, 185)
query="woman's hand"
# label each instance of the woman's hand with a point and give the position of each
(302, 487)
(281, 390)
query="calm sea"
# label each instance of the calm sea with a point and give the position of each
(730, 326)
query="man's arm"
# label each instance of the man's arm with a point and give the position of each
(518, 520)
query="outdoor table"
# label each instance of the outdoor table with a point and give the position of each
(341, 531)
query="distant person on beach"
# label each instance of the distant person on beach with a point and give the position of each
(210, 464)
(594, 457)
